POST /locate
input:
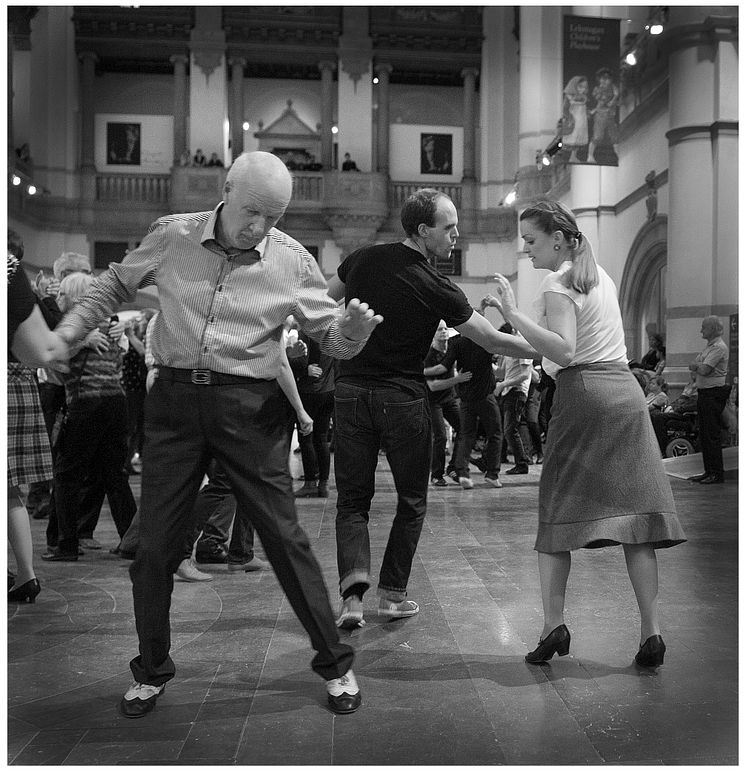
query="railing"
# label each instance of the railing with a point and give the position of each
(308, 186)
(134, 188)
(399, 192)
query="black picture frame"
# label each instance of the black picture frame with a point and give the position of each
(123, 143)
(436, 153)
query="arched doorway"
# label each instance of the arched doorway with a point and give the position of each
(642, 293)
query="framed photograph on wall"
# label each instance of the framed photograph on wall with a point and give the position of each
(123, 144)
(436, 153)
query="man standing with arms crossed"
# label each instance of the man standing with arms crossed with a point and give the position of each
(381, 395)
(227, 280)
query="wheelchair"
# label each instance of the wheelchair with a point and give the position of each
(682, 438)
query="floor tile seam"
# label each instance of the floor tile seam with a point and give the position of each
(265, 659)
(455, 639)
(34, 734)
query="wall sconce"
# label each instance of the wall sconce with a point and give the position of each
(511, 196)
(544, 157)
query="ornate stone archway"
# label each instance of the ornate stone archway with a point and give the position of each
(647, 255)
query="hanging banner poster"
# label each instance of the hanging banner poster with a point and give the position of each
(590, 95)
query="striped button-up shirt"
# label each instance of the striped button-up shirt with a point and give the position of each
(220, 310)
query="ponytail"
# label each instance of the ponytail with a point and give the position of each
(583, 275)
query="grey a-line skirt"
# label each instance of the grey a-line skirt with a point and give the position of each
(603, 481)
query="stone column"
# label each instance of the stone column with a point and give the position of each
(702, 261)
(11, 145)
(355, 87)
(327, 112)
(236, 120)
(470, 76)
(179, 62)
(87, 125)
(208, 98)
(540, 106)
(383, 71)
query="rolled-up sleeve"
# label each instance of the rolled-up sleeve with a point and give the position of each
(115, 286)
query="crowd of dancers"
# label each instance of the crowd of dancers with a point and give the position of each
(223, 393)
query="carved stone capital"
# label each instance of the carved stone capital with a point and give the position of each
(208, 49)
(351, 231)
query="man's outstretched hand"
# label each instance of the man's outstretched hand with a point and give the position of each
(358, 320)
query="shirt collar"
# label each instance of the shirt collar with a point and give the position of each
(208, 234)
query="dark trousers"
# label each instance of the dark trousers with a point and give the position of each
(135, 418)
(531, 415)
(214, 511)
(92, 446)
(314, 448)
(710, 405)
(244, 427)
(52, 399)
(513, 405)
(364, 418)
(473, 413)
(442, 412)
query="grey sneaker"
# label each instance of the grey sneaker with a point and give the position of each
(404, 608)
(465, 482)
(189, 572)
(493, 481)
(351, 614)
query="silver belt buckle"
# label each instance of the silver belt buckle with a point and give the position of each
(200, 376)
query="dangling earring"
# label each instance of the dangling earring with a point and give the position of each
(556, 247)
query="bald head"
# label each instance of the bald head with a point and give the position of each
(256, 194)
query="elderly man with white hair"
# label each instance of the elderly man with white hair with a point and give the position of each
(227, 279)
(710, 368)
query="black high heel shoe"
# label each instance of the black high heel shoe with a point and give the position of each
(26, 593)
(651, 653)
(557, 641)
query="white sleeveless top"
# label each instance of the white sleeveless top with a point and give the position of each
(600, 333)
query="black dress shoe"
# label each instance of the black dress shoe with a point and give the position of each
(651, 653)
(517, 470)
(140, 700)
(343, 694)
(713, 478)
(55, 554)
(698, 478)
(211, 553)
(26, 593)
(557, 641)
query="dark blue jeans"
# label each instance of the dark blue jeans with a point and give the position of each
(364, 418)
(450, 411)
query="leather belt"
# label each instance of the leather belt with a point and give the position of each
(204, 377)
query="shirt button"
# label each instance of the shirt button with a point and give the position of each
(220, 288)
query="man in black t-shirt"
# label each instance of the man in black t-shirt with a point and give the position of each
(381, 396)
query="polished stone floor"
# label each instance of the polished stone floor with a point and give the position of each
(447, 687)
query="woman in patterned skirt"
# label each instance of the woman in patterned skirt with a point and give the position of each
(29, 455)
(603, 481)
